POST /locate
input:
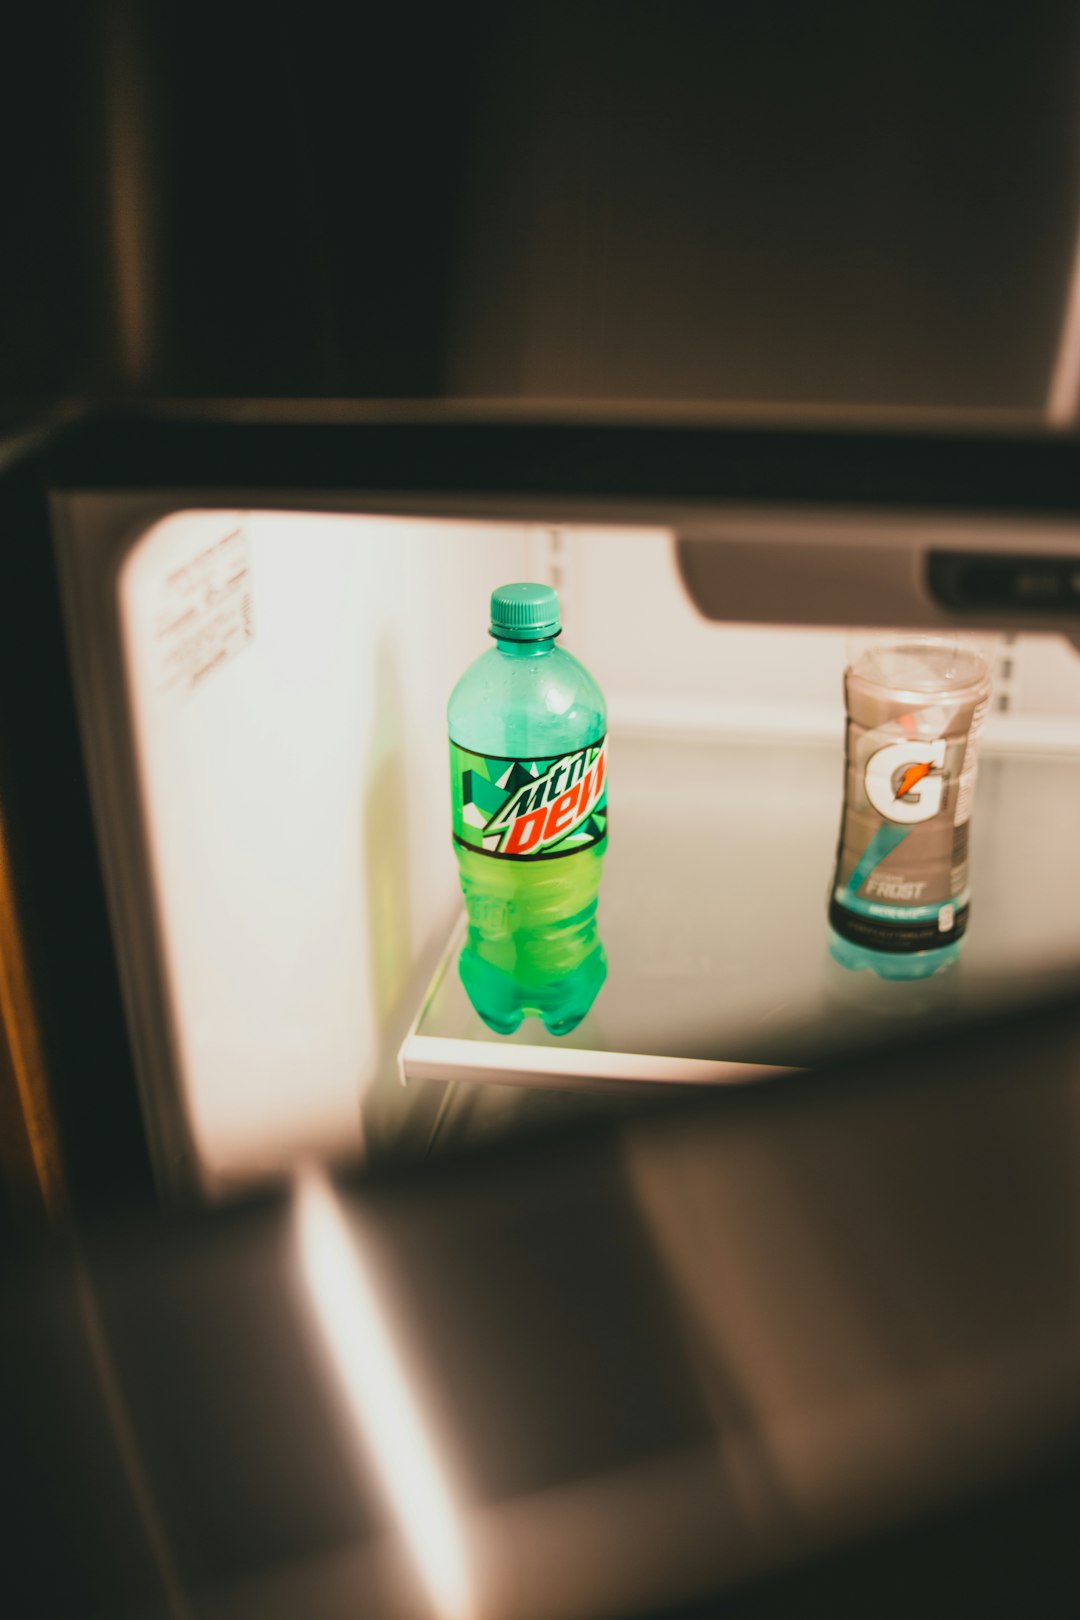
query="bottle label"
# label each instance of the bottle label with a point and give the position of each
(529, 809)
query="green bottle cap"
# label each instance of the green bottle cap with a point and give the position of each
(525, 612)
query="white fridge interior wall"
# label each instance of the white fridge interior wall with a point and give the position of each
(666, 668)
(294, 782)
(288, 676)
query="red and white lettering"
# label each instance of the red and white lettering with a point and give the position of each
(598, 785)
(560, 816)
(525, 833)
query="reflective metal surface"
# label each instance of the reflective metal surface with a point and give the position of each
(772, 204)
(628, 1368)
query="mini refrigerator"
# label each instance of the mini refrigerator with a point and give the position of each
(229, 636)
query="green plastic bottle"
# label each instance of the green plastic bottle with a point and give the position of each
(528, 772)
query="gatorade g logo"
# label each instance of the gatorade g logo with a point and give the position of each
(525, 809)
(904, 781)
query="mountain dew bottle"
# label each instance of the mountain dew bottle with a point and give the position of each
(528, 767)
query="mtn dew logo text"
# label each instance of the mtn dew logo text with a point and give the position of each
(530, 809)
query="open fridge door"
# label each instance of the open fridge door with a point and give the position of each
(263, 694)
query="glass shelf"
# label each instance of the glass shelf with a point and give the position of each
(713, 916)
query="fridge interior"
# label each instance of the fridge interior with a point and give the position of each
(262, 695)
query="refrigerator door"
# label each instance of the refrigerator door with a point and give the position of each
(782, 1336)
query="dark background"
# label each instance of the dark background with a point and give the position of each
(748, 202)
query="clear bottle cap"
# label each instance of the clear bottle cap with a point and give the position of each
(918, 662)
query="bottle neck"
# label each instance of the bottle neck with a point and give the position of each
(526, 649)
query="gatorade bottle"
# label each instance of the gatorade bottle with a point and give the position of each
(528, 763)
(915, 706)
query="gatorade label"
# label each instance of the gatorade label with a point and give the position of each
(529, 809)
(902, 866)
